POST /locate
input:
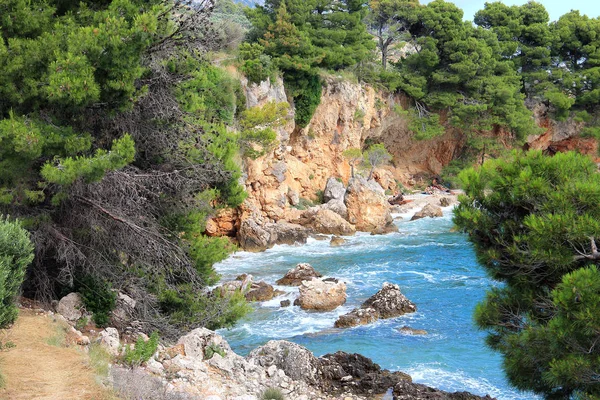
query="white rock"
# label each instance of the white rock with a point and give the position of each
(70, 307)
(109, 339)
(154, 366)
(272, 370)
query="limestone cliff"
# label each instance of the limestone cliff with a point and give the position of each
(350, 114)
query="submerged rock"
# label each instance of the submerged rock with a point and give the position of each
(321, 295)
(411, 331)
(295, 276)
(337, 241)
(428, 211)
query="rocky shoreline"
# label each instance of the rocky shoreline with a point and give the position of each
(202, 365)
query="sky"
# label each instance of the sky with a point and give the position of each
(555, 8)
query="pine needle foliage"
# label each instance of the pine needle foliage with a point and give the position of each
(534, 221)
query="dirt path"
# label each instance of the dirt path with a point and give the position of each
(37, 370)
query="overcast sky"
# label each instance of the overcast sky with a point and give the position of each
(555, 8)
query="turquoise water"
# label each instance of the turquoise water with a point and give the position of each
(434, 267)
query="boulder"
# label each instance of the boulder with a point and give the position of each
(255, 237)
(330, 223)
(389, 302)
(358, 316)
(196, 341)
(122, 315)
(396, 200)
(411, 331)
(283, 232)
(358, 374)
(70, 307)
(241, 283)
(428, 211)
(261, 291)
(334, 190)
(337, 206)
(321, 295)
(285, 303)
(293, 197)
(445, 201)
(296, 361)
(337, 241)
(109, 339)
(299, 273)
(368, 208)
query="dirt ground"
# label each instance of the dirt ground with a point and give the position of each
(35, 369)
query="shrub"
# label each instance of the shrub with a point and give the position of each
(98, 297)
(16, 252)
(272, 393)
(211, 349)
(190, 309)
(142, 351)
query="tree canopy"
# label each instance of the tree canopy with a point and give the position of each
(114, 150)
(534, 222)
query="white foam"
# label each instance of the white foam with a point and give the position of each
(456, 380)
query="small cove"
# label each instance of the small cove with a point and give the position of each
(434, 267)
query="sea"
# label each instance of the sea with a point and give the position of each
(435, 267)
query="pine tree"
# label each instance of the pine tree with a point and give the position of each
(534, 221)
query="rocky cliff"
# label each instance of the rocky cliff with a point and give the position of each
(291, 176)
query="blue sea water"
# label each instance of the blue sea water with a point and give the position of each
(434, 267)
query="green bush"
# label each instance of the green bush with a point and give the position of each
(272, 393)
(213, 349)
(142, 351)
(98, 297)
(189, 309)
(16, 252)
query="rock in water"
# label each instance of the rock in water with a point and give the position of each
(334, 190)
(337, 241)
(296, 361)
(445, 201)
(411, 331)
(261, 291)
(368, 208)
(356, 373)
(390, 302)
(295, 276)
(406, 390)
(330, 223)
(358, 316)
(70, 307)
(428, 211)
(322, 295)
